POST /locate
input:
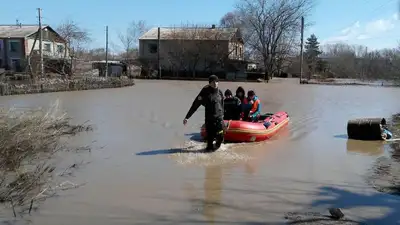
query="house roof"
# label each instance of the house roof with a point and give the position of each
(190, 33)
(16, 31)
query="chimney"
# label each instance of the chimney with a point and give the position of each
(213, 26)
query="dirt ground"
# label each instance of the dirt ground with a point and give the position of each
(385, 174)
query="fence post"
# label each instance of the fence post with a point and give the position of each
(3, 87)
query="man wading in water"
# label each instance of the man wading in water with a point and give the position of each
(213, 101)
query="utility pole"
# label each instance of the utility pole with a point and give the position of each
(158, 52)
(106, 51)
(40, 42)
(364, 62)
(301, 48)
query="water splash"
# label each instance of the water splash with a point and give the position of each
(192, 155)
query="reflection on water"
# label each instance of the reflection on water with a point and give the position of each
(209, 204)
(212, 191)
(395, 151)
(212, 204)
(372, 148)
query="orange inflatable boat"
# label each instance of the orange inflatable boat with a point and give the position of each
(242, 131)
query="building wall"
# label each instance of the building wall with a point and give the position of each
(52, 45)
(190, 55)
(50, 48)
(2, 53)
(236, 50)
(12, 52)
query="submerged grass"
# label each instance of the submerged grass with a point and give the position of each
(28, 142)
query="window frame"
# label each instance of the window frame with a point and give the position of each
(10, 42)
(44, 47)
(62, 48)
(151, 48)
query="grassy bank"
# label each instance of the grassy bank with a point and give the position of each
(57, 85)
(334, 82)
(29, 141)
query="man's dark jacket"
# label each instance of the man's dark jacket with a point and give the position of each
(232, 108)
(213, 101)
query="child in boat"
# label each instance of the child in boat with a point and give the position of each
(254, 104)
(241, 95)
(232, 106)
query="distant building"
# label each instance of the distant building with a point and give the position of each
(251, 66)
(17, 42)
(195, 50)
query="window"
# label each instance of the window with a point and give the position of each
(47, 47)
(153, 48)
(60, 49)
(14, 46)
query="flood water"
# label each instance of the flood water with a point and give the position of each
(135, 178)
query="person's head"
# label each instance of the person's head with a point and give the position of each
(240, 92)
(213, 81)
(228, 93)
(251, 94)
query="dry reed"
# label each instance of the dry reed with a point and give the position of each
(28, 142)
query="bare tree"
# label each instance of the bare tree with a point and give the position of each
(129, 41)
(75, 36)
(355, 61)
(393, 61)
(287, 48)
(231, 19)
(97, 54)
(235, 19)
(196, 48)
(268, 22)
(342, 59)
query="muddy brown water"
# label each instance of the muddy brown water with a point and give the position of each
(134, 176)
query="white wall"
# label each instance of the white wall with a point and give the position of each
(53, 48)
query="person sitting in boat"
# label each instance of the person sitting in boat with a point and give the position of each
(241, 95)
(254, 104)
(232, 106)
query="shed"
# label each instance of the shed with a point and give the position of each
(115, 68)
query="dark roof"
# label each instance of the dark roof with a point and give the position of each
(190, 33)
(16, 31)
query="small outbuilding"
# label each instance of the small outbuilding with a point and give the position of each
(115, 68)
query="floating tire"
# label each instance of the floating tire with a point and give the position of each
(366, 129)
